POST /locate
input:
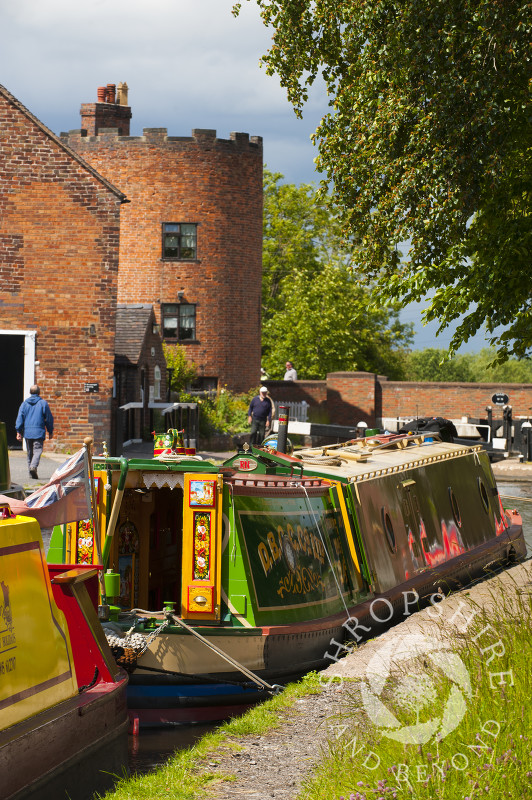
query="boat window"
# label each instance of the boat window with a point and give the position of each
(388, 530)
(455, 508)
(484, 495)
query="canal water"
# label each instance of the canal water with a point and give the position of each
(154, 746)
(518, 494)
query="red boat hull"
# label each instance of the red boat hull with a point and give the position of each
(72, 750)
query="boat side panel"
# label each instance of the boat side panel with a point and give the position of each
(36, 663)
(72, 750)
(295, 558)
(181, 653)
(432, 513)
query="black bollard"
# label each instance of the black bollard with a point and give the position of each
(282, 431)
(507, 426)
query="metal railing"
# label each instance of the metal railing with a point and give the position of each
(298, 411)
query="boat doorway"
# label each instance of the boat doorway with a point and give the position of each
(150, 543)
(17, 360)
(166, 545)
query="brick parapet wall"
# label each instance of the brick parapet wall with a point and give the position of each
(451, 400)
(59, 237)
(350, 397)
(217, 184)
(312, 392)
(237, 140)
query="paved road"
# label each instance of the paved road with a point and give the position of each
(18, 466)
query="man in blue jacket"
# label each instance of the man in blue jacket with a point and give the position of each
(33, 420)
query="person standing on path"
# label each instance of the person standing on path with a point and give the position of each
(290, 374)
(33, 420)
(260, 416)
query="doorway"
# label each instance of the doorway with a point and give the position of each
(17, 367)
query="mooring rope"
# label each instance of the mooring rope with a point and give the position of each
(275, 688)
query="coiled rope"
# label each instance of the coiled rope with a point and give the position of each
(311, 457)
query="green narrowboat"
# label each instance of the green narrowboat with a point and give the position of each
(225, 581)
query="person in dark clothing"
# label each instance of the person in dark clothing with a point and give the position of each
(33, 420)
(260, 416)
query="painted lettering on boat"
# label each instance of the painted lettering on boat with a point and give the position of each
(9, 665)
(9, 640)
(301, 582)
(288, 542)
(296, 556)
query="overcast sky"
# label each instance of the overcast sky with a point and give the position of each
(188, 64)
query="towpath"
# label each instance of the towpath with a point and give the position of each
(276, 765)
(511, 469)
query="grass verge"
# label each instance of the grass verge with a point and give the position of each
(186, 776)
(465, 709)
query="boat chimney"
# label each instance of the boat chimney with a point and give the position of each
(282, 431)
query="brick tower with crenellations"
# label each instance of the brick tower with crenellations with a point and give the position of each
(191, 235)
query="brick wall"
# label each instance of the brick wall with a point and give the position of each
(351, 397)
(313, 392)
(346, 398)
(216, 184)
(59, 237)
(451, 400)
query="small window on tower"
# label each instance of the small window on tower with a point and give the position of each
(179, 240)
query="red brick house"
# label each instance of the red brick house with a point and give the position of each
(191, 235)
(59, 240)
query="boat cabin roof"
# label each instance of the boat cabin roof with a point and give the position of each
(364, 459)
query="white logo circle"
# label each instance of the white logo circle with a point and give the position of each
(415, 690)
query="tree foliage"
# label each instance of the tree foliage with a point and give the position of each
(222, 411)
(184, 371)
(299, 232)
(315, 311)
(426, 141)
(431, 364)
